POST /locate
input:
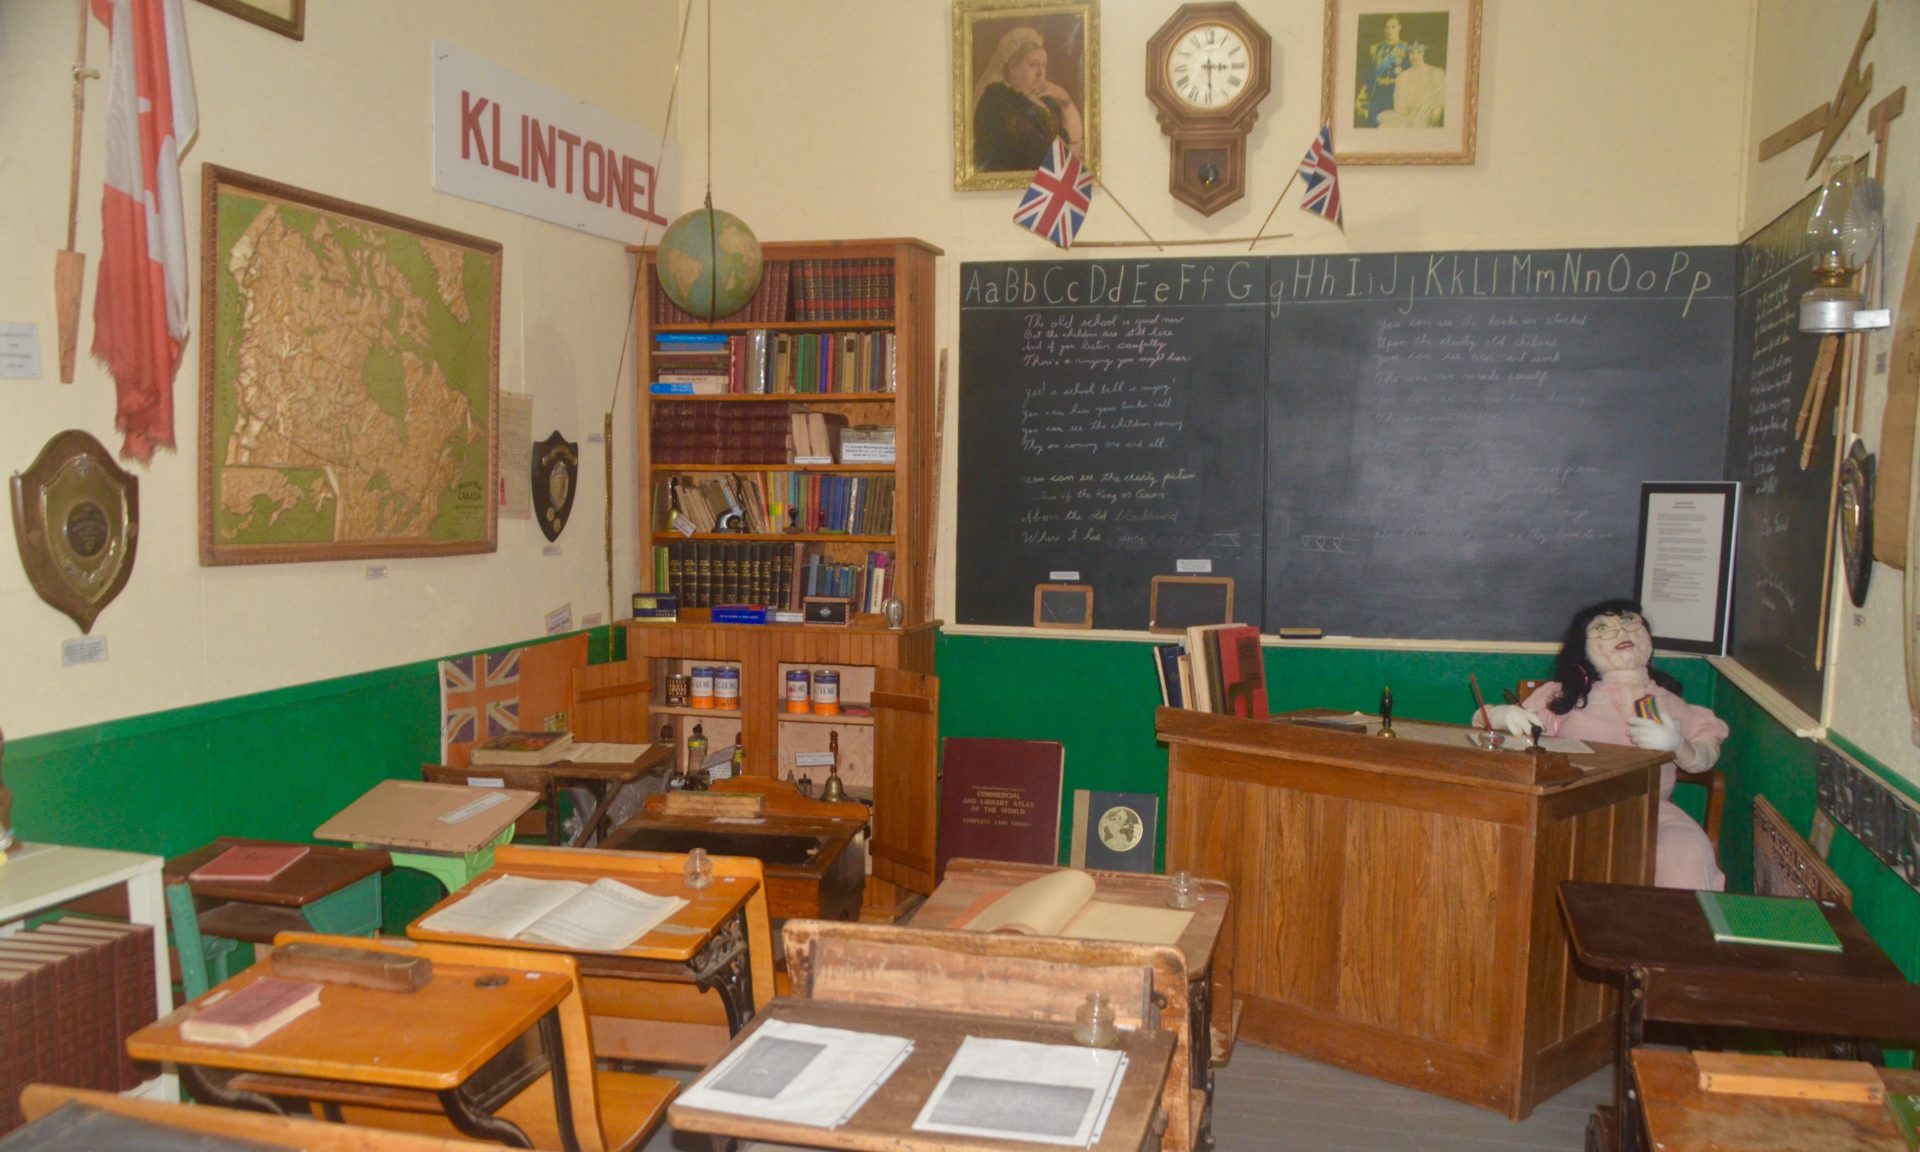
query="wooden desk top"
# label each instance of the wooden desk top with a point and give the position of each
(408, 815)
(1522, 772)
(1682, 1118)
(885, 1122)
(786, 810)
(625, 772)
(969, 884)
(432, 1038)
(220, 1124)
(323, 871)
(677, 939)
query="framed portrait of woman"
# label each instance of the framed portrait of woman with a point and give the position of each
(1400, 82)
(1024, 75)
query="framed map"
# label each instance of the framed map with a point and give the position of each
(349, 374)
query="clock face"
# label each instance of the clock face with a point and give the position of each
(1209, 67)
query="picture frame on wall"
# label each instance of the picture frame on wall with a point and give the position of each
(1400, 83)
(287, 17)
(1024, 75)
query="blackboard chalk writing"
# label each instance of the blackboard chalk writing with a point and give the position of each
(1647, 274)
(1140, 284)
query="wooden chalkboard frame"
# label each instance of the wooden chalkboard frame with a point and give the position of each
(1225, 615)
(1063, 606)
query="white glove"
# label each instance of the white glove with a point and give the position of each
(1662, 735)
(1512, 717)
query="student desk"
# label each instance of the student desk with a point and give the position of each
(216, 1126)
(1683, 1118)
(706, 944)
(814, 855)
(433, 1039)
(885, 1122)
(970, 885)
(1656, 942)
(1393, 899)
(445, 830)
(602, 780)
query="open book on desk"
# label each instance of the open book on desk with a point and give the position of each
(604, 916)
(1062, 904)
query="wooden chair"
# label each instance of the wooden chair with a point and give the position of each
(612, 1111)
(1009, 976)
(539, 823)
(1712, 782)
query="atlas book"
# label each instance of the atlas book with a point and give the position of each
(1000, 800)
(1114, 830)
(1065, 903)
(523, 748)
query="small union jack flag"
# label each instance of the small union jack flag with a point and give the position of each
(1056, 204)
(1322, 174)
(479, 698)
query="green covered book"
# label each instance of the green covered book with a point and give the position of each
(1772, 920)
(1906, 1115)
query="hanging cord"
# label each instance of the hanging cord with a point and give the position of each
(633, 320)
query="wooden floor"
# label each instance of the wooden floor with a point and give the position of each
(1266, 1101)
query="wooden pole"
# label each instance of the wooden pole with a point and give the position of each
(69, 266)
(1852, 351)
(939, 435)
(1261, 231)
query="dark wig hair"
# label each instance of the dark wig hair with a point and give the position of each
(1575, 673)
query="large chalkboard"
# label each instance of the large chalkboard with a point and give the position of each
(1783, 509)
(1431, 445)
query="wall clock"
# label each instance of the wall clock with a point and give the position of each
(1208, 68)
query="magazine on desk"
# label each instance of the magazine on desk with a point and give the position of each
(604, 916)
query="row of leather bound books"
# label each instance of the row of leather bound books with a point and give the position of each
(769, 303)
(857, 289)
(703, 573)
(694, 433)
(71, 992)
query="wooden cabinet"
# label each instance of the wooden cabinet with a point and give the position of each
(1393, 900)
(840, 330)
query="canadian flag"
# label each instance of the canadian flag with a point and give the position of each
(140, 304)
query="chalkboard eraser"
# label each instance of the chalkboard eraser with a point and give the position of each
(1298, 633)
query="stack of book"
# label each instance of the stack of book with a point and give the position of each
(832, 362)
(768, 305)
(703, 573)
(71, 992)
(843, 289)
(720, 433)
(769, 503)
(867, 585)
(690, 364)
(1220, 668)
(816, 436)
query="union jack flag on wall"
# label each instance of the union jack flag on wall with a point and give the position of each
(1322, 175)
(491, 693)
(1056, 204)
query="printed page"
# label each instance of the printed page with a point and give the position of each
(799, 1074)
(1104, 920)
(503, 907)
(604, 917)
(1039, 907)
(1012, 1089)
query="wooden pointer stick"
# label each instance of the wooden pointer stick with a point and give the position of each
(1826, 553)
(1822, 372)
(1822, 367)
(69, 266)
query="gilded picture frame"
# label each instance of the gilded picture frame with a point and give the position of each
(287, 17)
(1400, 81)
(1023, 74)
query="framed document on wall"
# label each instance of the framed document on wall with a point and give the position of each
(1684, 569)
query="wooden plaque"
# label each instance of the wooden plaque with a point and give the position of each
(1181, 602)
(1062, 606)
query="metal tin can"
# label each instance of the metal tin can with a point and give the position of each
(726, 689)
(677, 688)
(701, 695)
(799, 691)
(826, 692)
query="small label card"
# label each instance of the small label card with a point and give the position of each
(83, 650)
(560, 620)
(19, 351)
(1201, 567)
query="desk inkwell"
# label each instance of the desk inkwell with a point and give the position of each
(1386, 714)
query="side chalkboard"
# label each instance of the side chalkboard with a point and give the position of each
(1781, 539)
(1415, 445)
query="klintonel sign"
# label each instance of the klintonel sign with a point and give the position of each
(504, 140)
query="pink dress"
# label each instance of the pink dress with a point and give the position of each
(1683, 856)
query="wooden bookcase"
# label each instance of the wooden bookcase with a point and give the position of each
(888, 743)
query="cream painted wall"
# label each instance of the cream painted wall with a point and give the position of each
(1602, 122)
(346, 113)
(1800, 47)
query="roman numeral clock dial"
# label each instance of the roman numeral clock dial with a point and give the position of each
(1208, 69)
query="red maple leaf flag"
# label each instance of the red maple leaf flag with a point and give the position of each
(140, 303)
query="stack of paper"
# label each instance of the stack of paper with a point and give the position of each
(799, 1074)
(1015, 1090)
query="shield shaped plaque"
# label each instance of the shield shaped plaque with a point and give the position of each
(76, 518)
(556, 473)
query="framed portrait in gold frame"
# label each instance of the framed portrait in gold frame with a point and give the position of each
(1024, 75)
(287, 17)
(1400, 81)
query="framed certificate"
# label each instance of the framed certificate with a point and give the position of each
(1684, 570)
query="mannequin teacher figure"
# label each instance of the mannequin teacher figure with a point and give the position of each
(1606, 690)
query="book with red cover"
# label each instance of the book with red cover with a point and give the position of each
(253, 1013)
(68, 977)
(999, 800)
(1242, 689)
(250, 862)
(131, 960)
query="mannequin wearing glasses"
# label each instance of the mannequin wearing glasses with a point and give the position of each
(1603, 673)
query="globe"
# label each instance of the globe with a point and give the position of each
(710, 276)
